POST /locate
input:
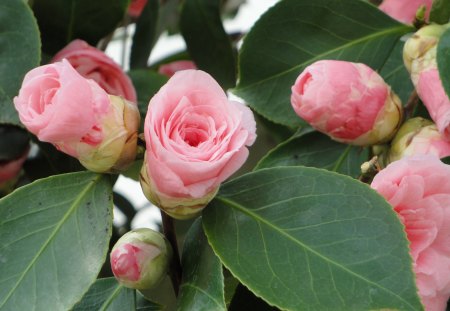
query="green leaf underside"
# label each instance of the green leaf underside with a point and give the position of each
(202, 287)
(443, 60)
(54, 238)
(315, 150)
(108, 294)
(440, 11)
(61, 22)
(307, 239)
(19, 52)
(295, 33)
(206, 40)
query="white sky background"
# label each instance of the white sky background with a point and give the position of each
(149, 215)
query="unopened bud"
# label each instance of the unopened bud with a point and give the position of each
(118, 147)
(140, 259)
(349, 102)
(421, 43)
(418, 136)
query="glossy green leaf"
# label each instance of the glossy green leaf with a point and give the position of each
(307, 239)
(202, 287)
(61, 22)
(108, 295)
(395, 74)
(443, 60)
(54, 239)
(145, 35)
(316, 150)
(19, 52)
(295, 33)
(206, 40)
(440, 11)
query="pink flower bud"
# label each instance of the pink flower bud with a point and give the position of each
(405, 10)
(347, 101)
(136, 7)
(61, 107)
(93, 64)
(195, 139)
(418, 188)
(418, 136)
(140, 258)
(10, 169)
(170, 68)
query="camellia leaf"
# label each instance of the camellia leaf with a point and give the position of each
(316, 150)
(206, 40)
(19, 52)
(107, 294)
(61, 22)
(443, 60)
(440, 11)
(307, 239)
(202, 287)
(395, 74)
(145, 35)
(295, 33)
(54, 239)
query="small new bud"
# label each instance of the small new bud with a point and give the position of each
(140, 259)
(418, 136)
(419, 44)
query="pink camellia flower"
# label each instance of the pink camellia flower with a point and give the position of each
(93, 64)
(405, 10)
(170, 68)
(195, 138)
(430, 90)
(418, 136)
(347, 101)
(140, 258)
(10, 169)
(61, 107)
(136, 7)
(418, 188)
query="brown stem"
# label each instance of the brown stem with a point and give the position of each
(411, 104)
(175, 266)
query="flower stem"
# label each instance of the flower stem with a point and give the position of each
(175, 266)
(341, 159)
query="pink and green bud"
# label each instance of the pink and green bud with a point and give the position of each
(349, 102)
(419, 52)
(406, 11)
(418, 136)
(78, 117)
(140, 259)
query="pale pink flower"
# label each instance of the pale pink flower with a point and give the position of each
(10, 169)
(348, 101)
(59, 106)
(196, 138)
(93, 64)
(169, 69)
(418, 188)
(405, 10)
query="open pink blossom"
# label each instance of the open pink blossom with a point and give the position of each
(195, 138)
(140, 258)
(59, 106)
(93, 64)
(169, 69)
(418, 188)
(405, 10)
(348, 101)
